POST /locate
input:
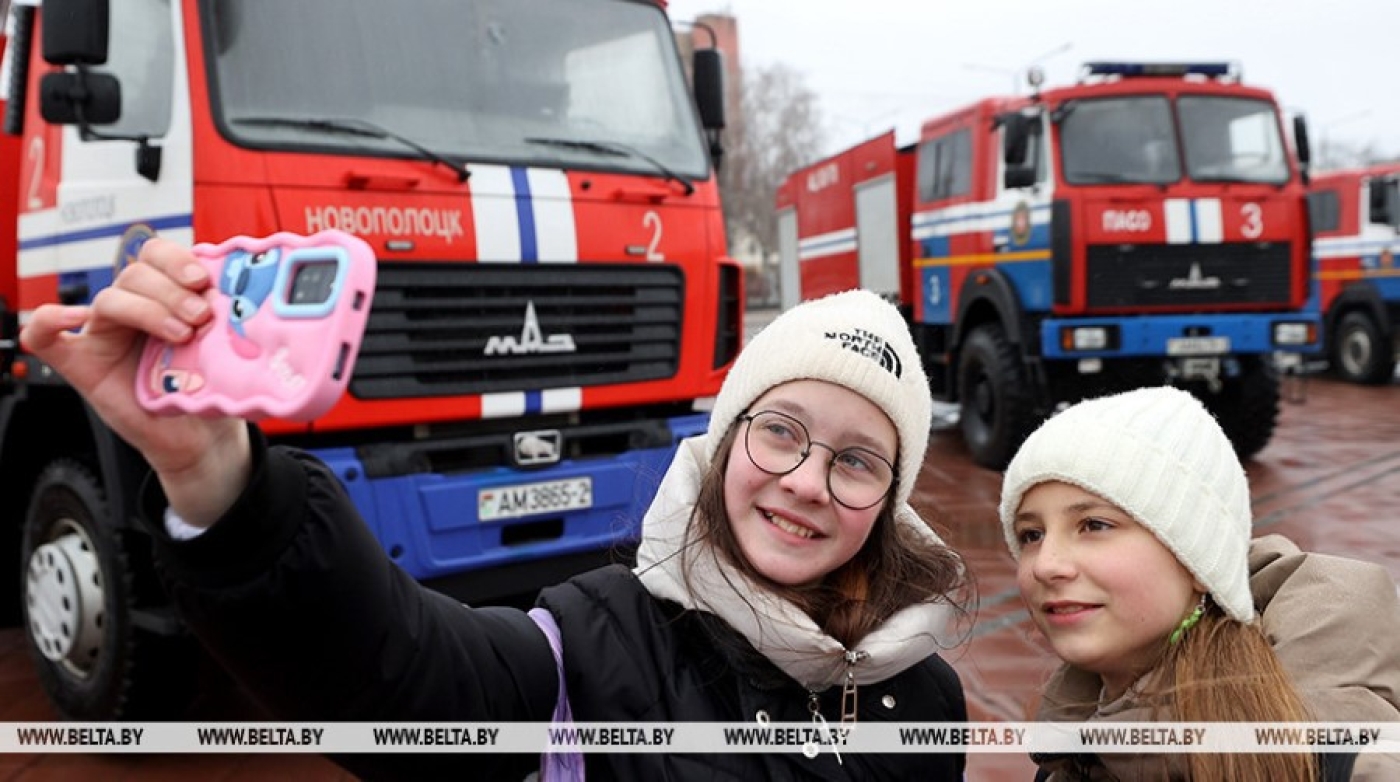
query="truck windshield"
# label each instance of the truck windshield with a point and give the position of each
(1232, 140)
(470, 80)
(1134, 140)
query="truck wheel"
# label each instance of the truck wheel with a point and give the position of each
(78, 596)
(1247, 406)
(1360, 352)
(998, 410)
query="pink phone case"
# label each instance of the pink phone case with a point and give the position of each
(289, 315)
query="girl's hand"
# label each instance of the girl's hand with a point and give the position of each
(203, 464)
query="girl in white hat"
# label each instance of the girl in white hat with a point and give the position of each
(782, 576)
(1129, 517)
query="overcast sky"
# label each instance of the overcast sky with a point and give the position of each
(877, 64)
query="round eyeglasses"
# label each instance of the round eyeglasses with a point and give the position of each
(777, 444)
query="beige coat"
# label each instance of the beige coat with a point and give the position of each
(1334, 624)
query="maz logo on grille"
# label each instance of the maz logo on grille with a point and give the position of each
(531, 339)
(1194, 281)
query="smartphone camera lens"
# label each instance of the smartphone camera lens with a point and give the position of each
(312, 282)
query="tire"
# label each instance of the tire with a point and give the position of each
(77, 595)
(1247, 407)
(998, 409)
(1360, 351)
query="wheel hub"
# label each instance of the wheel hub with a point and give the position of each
(982, 400)
(1356, 352)
(63, 593)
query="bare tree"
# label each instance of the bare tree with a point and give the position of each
(777, 130)
(1332, 155)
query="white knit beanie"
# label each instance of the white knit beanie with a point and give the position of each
(854, 339)
(1158, 454)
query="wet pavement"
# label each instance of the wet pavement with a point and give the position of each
(1330, 480)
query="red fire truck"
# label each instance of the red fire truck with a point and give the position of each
(554, 293)
(1146, 225)
(1356, 234)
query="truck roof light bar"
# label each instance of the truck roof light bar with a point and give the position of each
(1212, 70)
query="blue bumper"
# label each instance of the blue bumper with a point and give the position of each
(1248, 333)
(430, 524)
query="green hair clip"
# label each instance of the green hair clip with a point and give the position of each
(1188, 623)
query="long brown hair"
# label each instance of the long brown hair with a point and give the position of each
(895, 568)
(1223, 670)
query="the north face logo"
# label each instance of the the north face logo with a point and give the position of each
(871, 346)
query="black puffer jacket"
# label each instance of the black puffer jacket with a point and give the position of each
(629, 656)
(297, 599)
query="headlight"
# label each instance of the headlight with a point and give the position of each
(1085, 338)
(1295, 333)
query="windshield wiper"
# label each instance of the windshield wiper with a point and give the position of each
(1101, 177)
(1243, 179)
(615, 149)
(357, 127)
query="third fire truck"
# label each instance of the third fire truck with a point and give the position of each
(1146, 225)
(1356, 228)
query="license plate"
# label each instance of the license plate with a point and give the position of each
(529, 499)
(1197, 346)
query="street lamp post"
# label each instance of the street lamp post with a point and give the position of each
(1018, 74)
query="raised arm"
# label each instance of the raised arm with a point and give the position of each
(289, 590)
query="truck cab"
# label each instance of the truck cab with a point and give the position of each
(1143, 226)
(555, 300)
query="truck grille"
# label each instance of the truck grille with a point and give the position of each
(448, 329)
(1195, 275)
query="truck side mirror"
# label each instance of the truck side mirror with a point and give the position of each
(709, 87)
(708, 72)
(1300, 140)
(1015, 149)
(1015, 139)
(80, 98)
(1383, 192)
(75, 32)
(1020, 176)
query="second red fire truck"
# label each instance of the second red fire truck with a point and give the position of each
(1146, 225)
